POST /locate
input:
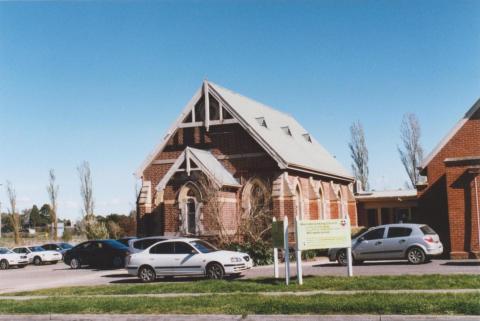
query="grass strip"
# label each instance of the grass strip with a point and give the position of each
(467, 304)
(363, 283)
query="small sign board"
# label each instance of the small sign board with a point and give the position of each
(278, 235)
(60, 229)
(323, 234)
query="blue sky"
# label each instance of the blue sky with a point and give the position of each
(101, 81)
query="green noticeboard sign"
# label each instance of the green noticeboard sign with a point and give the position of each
(323, 234)
(278, 238)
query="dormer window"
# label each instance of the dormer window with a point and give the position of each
(261, 121)
(287, 130)
(307, 137)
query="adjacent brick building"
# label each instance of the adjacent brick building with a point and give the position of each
(450, 198)
(247, 153)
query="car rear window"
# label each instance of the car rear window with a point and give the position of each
(427, 230)
(399, 232)
(144, 244)
(116, 245)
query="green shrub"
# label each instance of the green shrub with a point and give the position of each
(306, 255)
(260, 252)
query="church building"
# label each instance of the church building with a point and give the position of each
(228, 158)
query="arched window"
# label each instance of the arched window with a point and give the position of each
(298, 203)
(191, 216)
(189, 200)
(255, 195)
(321, 205)
(342, 205)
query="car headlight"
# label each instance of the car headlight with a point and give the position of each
(235, 259)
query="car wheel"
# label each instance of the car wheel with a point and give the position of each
(4, 264)
(75, 263)
(117, 262)
(146, 274)
(342, 258)
(215, 271)
(37, 260)
(415, 255)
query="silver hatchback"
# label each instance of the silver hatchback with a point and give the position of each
(413, 242)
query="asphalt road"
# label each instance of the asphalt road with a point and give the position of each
(59, 275)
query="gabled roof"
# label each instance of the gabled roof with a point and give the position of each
(295, 151)
(298, 151)
(206, 162)
(452, 133)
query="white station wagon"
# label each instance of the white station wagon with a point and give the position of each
(38, 255)
(186, 257)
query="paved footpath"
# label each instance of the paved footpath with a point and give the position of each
(109, 317)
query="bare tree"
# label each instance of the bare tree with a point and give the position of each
(411, 154)
(92, 228)
(213, 206)
(13, 215)
(52, 190)
(86, 189)
(359, 154)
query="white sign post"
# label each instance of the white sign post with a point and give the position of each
(280, 241)
(298, 255)
(287, 251)
(275, 250)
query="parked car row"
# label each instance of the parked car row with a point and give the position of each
(21, 256)
(161, 256)
(152, 257)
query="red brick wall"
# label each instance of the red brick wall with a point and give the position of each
(441, 204)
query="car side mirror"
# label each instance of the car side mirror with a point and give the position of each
(193, 252)
(360, 240)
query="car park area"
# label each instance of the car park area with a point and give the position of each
(60, 275)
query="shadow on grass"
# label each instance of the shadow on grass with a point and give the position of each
(462, 263)
(370, 263)
(129, 279)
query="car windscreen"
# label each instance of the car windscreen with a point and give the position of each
(5, 251)
(427, 230)
(204, 247)
(115, 245)
(65, 246)
(36, 249)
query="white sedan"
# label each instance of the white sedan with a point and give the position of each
(9, 258)
(186, 257)
(38, 255)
